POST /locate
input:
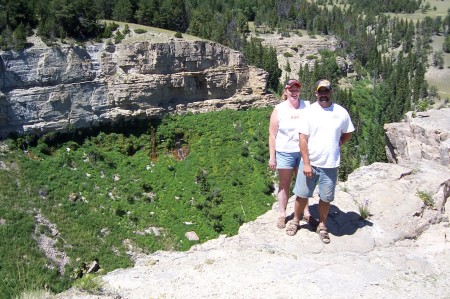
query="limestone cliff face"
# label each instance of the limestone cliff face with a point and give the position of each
(52, 89)
(425, 136)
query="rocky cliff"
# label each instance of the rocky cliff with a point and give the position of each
(422, 135)
(53, 89)
(402, 250)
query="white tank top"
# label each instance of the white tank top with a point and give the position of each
(287, 135)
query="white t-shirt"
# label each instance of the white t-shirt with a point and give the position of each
(324, 127)
(287, 135)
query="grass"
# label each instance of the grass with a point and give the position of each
(151, 34)
(363, 208)
(89, 283)
(441, 10)
(426, 197)
(440, 77)
(105, 191)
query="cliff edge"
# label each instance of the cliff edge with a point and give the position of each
(401, 250)
(56, 89)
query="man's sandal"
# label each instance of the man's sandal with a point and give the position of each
(281, 223)
(323, 234)
(292, 228)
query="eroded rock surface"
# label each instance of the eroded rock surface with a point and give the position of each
(53, 89)
(423, 135)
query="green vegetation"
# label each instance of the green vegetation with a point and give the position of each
(426, 197)
(363, 208)
(206, 173)
(140, 30)
(89, 283)
(200, 172)
(265, 58)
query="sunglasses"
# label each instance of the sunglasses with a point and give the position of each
(323, 91)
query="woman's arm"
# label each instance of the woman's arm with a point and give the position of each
(273, 130)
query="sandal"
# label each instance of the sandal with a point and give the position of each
(311, 220)
(292, 228)
(281, 223)
(323, 234)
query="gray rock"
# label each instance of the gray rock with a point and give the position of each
(54, 89)
(423, 135)
(192, 236)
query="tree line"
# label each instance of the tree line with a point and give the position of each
(388, 52)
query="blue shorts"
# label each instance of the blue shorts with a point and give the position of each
(288, 160)
(326, 177)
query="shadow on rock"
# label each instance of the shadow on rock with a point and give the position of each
(340, 223)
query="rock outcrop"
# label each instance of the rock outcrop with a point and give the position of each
(401, 250)
(53, 89)
(423, 135)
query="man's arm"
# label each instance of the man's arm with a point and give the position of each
(344, 138)
(307, 169)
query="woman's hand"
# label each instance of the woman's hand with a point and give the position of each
(272, 164)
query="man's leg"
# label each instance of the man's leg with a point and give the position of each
(327, 186)
(324, 207)
(306, 212)
(300, 204)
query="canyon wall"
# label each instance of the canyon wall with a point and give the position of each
(55, 89)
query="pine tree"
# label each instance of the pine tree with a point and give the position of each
(123, 11)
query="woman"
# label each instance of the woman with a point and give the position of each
(284, 147)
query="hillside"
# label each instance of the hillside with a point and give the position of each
(91, 196)
(401, 250)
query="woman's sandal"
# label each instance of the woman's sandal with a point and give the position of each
(323, 234)
(292, 228)
(281, 223)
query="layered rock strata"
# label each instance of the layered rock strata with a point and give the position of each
(53, 89)
(422, 135)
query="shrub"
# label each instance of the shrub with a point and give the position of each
(126, 30)
(89, 283)
(363, 208)
(311, 57)
(426, 197)
(119, 37)
(178, 34)
(139, 31)
(287, 54)
(422, 106)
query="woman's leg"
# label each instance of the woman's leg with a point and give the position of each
(284, 177)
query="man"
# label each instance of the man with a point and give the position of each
(325, 127)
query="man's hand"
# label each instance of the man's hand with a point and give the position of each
(307, 170)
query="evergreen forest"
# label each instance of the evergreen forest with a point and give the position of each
(107, 187)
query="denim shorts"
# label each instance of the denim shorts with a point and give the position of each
(326, 177)
(288, 160)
